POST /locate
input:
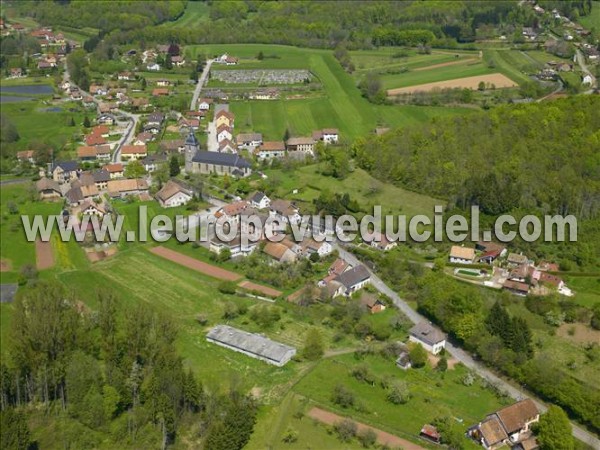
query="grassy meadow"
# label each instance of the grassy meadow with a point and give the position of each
(342, 105)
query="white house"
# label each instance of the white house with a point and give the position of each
(173, 194)
(351, 280)
(155, 67)
(204, 104)
(327, 135)
(461, 255)
(260, 201)
(249, 141)
(432, 339)
(310, 246)
(224, 132)
(587, 79)
(285, 211)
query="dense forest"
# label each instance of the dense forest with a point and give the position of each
(109, 372)
(361, 24)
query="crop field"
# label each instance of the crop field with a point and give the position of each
(432, 394)
(493, 79)
(342, 105)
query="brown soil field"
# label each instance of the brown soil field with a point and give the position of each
(266, 290)
(5, 265)
(44, 255)
(383, 438)
(497, 79)
(194, 264)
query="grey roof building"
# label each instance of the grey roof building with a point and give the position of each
(251, 344)
(425, 333)
(353, 277)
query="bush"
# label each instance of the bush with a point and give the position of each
(346, 430)
(367, 437)
(342, 396)
(227, 287)
(398, 393)
(418, 356)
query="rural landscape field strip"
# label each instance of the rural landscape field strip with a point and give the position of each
(194, 264)
(383, 438)
(497, 79)
(44, 255)
(271, 292)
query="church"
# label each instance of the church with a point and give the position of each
(203, 162)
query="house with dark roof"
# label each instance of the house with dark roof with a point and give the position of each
(509, 426)
(351, 280)
(153, 161)
(249, 141)
(259, 200)
(432, 339)
(65, 171)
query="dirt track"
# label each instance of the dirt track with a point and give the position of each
(266, 290)
(194, 264)
(446, 64)
(44, 257)
(383, 438)
(497, 79)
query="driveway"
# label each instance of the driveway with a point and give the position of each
(211, 132)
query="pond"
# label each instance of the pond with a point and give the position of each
(34, 89)
(13, 99)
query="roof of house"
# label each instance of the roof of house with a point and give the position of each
(154, 158)
(248, 137)
(172, 144)
(516, 286)
(101, 129)
(95, 139)
(369, 300)
(276, 250)
(125, 185)
(233, 209)
(257, 197)
(490, 246)
(353, 276)
(338, 266)
(225, 113)
(330, 131)
(170, 189)
(227, 143)
(223, 127)
(515, 416)
(86, 151)
(222, 159)
(462, 252)
(67, 166)
(517, 258)
(492, 431)
(427, 333)
(250, 342)
(545, 277)
(134, 149)
(300, 141)
(144, 136)
(431, 431)
(206, 100)
(113, 168)
(272, 146)
(44, 184)
(283, 207)
(156, 117)
(74, 195)
(25, 154)
(101, 175)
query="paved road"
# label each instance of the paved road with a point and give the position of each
(200, 84)
(15, 181)
(584, 68)
(211, 134)
(463, 356)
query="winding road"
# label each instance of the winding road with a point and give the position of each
(462, 356)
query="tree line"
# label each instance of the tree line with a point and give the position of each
(115, 371)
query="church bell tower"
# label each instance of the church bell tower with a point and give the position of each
(192, 146)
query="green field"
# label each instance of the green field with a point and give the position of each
(196, 14)
(592, 20)
(359, 184)
(587, 290)
(342, 106)
(432, 394)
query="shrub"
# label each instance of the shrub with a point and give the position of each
(367, 437)
(342, 396)
(346, 430)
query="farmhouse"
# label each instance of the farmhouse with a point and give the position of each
(351, 281)
(78, 194)
(516, 287)
(301, 144)
(327, 135)
(226, 146)
(94, 139)
(249, 141)
(114, 170)
(432, 339)
(106, 119)
(270, 149)
(515, 259)
(126, 76)
(250, 344)
(125, 187)
(131, 152)
(285, 211)
(310, 246)
(235, 246)
(48, 189)
(26, 155)
(508, 426)
(174, 194)
(153, 161)
(461, 255)
(279, 252)
(90, 208)
(381, 242)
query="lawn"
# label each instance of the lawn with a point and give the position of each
(195, 14)
(35, 124)
(359, 184)
(592, 20)
(512, 63)
(432, 394)
(342, 106)
(587, 290)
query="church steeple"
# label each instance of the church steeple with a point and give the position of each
(192, 146)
